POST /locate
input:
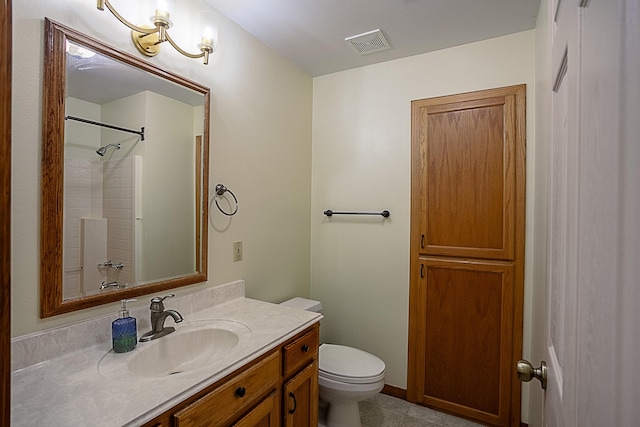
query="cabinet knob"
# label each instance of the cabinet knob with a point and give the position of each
(305, 348)
(241, 391)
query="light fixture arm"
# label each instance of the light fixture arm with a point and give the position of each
(205, 50)
(103, 3)
(149, 46)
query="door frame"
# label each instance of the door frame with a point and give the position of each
(5, 208)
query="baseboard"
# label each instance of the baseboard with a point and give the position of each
(394, 391)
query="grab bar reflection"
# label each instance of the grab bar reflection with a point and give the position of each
(330, 213)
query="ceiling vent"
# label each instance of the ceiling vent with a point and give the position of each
(371, 42)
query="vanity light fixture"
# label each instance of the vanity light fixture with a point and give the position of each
(148, 39)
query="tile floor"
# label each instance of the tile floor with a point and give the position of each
(386, 411)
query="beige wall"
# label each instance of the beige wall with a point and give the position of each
(261, 132)
(169, 169)
(361, 161)
(260, 148)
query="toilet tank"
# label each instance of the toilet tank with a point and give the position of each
(303, 304)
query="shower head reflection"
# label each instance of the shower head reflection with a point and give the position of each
(102, 150)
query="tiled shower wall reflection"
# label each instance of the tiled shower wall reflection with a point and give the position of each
(118, 203)
(82, 199)
(97, 189)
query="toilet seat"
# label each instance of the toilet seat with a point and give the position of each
(349, 365)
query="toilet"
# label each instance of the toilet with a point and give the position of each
(346, 376)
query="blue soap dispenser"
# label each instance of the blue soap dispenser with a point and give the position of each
(123, 330)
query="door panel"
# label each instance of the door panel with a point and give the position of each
(300, 398)
(468, 177)
(468, 336)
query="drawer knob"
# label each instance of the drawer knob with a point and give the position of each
(305, 348)
(241, 391)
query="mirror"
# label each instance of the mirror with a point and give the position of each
(124, 176)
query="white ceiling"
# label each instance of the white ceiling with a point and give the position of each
(311, 33)
(100, 79)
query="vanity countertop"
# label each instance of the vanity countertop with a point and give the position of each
(70, 390)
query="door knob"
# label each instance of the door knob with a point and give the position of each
(526, 372)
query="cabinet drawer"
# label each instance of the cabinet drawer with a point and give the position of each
(234, 397)
(265, 414)
(300, 352)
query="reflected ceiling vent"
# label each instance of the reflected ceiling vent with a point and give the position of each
(371, 42)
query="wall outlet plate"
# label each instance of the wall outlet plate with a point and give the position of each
(237, 251)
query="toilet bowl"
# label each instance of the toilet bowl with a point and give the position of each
(346, 376)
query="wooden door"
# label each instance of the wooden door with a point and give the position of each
(467, 249)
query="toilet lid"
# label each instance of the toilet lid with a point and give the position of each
(349, 364)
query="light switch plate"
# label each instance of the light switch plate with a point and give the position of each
(237, 251)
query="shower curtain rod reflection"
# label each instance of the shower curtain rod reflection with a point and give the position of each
(384, 213)
(91, 122)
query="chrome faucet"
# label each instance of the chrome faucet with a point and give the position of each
(118, 285)
(158, 316)
(117, 266)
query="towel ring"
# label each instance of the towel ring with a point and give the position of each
(220, 190)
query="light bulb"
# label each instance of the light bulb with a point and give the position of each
(161, 9)
(208, 24)
(207, 37)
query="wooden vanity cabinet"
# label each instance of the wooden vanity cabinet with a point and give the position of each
(300, 388)
(279, 388)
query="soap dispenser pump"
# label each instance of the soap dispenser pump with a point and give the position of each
(124, 331)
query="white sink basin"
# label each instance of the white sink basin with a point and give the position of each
(190, 347)
(179, 352)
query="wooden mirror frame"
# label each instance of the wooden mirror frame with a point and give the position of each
(52, 184)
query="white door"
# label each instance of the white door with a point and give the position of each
(562, 250)
(593, 279)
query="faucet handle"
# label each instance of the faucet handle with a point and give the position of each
(160, 299)
(156, 303)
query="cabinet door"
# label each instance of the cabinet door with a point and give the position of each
(265, 414)
(301, 398)
(464, 174)
(465, 333)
